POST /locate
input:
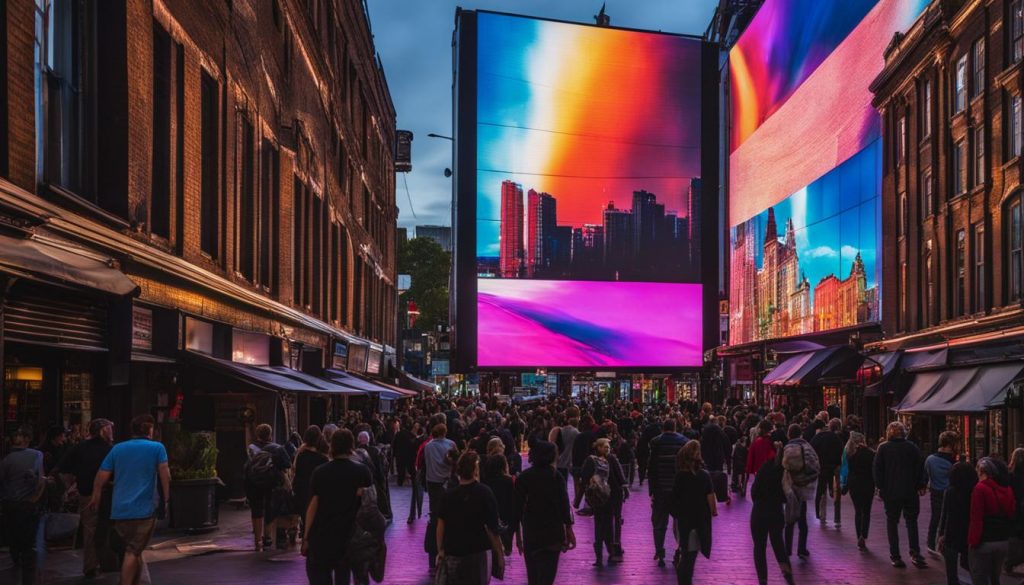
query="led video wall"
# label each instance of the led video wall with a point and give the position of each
(805, 165)
(586, 195)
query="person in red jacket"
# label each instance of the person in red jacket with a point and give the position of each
(762, 449)
(993, 509)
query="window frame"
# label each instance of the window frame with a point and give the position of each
(926, 108)
(1015, 247)
(1016, 31)
(978, 267)
(927, 192)
(960, 84)
(960, 272)
(959, 169)
(978, 61)
(1016, 134)
(980, 172)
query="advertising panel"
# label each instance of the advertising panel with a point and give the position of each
(805, 165)
(587, 195)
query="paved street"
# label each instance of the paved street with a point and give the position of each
(834, 556)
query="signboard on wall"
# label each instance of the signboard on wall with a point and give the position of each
(142, 328)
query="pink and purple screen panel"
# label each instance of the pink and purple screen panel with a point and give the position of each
(582, 324)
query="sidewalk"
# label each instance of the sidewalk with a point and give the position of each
(225, 557)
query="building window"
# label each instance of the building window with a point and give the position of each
(929, 276)
(1015, 237)
(901, 216)
(343, 251)
(959, 168)
(960, 306)
(209, 193)
(1016, 138)
(979, 67)
(317, 256)
(901, 141)
(960, 85)
(298, 241)
(270, 203)
(979, 156)
(978, 249)
(1016, 30)
(926, 108)
(927, 193)
(246, 198)
(160, 198)
(902, 285)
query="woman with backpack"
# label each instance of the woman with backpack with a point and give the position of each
(993, 511)
(693, 506)
(602, 476)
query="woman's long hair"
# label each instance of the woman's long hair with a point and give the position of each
(689, 458)
(1017, 460)
(857, 440)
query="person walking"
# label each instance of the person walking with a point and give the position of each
(954, 520)
(134, 466)
(22, 481)
(80, 465)
(993, 511)
(419, 474)
(468, 527)
(898, 471)
(860, 484)
(264, 473)
(714, 446)
(495, 475)
(1015, 556)
(661, 472)
(564, 438)
(767, 520)
(936, 474)
(581, 450)
(801, 470)
(693, 506)
(542, 509)
(739, 466)
(762, 448)
(643, 448)
(829, 446)
(602, 476)
(404, 448)
(335, 493)
(307, 459)
(438, 470)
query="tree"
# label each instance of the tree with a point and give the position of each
(429, 266)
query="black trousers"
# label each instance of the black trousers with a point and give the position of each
(826, 485)
(661, 507)
(327, 572)
(405, 467)
(20, 524)
(908, 507)
(802, 522)
(541, 566)
(862, 513)
(954, 558)
(436, 493)
(933, 522)
(684, 570)
(763, 533)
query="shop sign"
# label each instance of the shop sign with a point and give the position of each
(439, 367)
(142, 329)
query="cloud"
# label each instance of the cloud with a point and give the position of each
(849, 252)
(821, 252)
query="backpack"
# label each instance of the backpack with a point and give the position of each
(260, 470)
(598, 492)
(801, 463)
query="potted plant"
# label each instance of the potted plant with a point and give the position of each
(194, 481)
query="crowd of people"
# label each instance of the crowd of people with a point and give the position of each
(329, 487)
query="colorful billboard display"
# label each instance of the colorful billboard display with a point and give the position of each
(805, 165)
(587, 188)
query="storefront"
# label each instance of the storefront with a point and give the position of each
(59, 308)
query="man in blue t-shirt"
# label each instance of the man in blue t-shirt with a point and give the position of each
(134, 466)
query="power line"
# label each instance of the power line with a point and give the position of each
(408, 196)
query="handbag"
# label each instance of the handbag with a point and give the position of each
(60, 526)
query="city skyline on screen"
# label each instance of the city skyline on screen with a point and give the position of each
(586, 115)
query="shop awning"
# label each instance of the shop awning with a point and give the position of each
(960, 390)
(838, 362)
(385, 391)
(272, 378)
(888, 362)
(415, 384)
(61, 264)
(916, 361)
(785, 370)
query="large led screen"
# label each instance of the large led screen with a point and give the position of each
(587, 195)
(805, 165)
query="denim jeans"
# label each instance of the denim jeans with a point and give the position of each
(802, 523)
(661, 506)
(986, 562)
(933, 522)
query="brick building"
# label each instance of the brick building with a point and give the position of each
(213, 186)
(950, 98)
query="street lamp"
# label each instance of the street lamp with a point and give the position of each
(432, 135)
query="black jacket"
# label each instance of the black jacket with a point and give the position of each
(955, 519)
(898, 469)
(860, 480)
(768, 496)
(829, 448)
(582, 447)
(714, 447)
(661, 463)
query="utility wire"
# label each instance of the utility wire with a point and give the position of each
(405, 181)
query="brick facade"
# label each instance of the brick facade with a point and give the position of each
(301, 100)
